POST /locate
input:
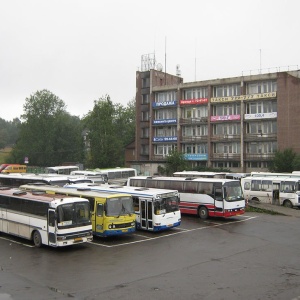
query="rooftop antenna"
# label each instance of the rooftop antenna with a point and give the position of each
(165, 60)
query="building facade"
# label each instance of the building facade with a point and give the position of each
(235, 123)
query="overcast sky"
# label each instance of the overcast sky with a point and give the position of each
(82, 50)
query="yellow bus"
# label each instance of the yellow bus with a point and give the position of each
(13, 168)
(111, 214)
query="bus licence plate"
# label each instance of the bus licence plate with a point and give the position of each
(76, 240)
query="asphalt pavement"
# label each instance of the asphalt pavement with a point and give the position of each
(292, 212)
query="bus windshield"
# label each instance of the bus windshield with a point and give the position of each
(73, 214)
(233, 191)
(119, 206)
(166, 205)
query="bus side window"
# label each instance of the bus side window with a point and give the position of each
(51, 218)
(99, 209)
(136, 204)
(247, 186)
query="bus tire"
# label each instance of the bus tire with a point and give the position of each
(37, 239)
(203, 212)
(288, 203)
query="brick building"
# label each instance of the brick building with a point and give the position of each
(236, 123)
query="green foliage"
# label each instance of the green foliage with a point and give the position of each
(110, 128)
(8, 132)
(285, 161)
(48, 134)
(175, 163)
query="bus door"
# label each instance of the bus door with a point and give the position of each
(218, 200)
(98, 218)
(51, 227)
(146, 206)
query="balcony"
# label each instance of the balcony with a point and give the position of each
(250, 137)
(226, 156)
(225, 137)
(194, 139)
(258, 156)
(189, 121)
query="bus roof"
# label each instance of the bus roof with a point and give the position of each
(179, 178)
(37, 196)
(123, 189)
(87, 192)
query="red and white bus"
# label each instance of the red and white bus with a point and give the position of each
(205, 197)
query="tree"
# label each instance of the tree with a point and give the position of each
(175, 162)
(48, 134)
(110, 128)
(285, 161)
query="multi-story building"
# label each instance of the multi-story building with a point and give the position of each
(235, 123)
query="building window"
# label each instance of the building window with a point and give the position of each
(195, 93)
(261, 107)
(145, 115)
(195, 130)
(227, 129)
(145, 82)
(261, 87)
(262, 127)
(165, 96)
(145, 132)
(145, 98)
(227, 90)
(163, 149)
(195, 148)
(165, 131)
(194, 112)
(162, 114)
(145, 150)
(226, 109)
(230, 148)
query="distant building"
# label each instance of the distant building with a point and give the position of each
(236, 123)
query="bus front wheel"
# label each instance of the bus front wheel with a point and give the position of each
(203, 212)
(37, 239)
(288, 203)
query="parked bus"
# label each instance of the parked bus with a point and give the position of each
(200, 174)
(155, 209)
(270, 174)
(263, 189)
(96, 177)
(17, 179)
(289, 195)
(45, 219)
(205, 197)
(12, 168)
(112, 214)
(62, 170)
(117, 175)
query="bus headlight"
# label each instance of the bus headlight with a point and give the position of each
(133, 224)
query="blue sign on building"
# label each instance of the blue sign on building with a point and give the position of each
(197, 156)
(163, 104)
(165, 139)
(165, 121)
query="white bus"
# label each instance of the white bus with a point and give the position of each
(62, 170)
(17, 179)
(96, 177)
(117, 175)
(270, 174)
(155, 209)
(263, 189)
(204, 174)
(200, 196)
(45, 219)
(289, 195)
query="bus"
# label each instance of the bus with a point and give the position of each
(289, 195)
(270, 174)
(96, 177)
(263, 189)
(205, 197)
(117, 175)
(12, 168)
(238, 176)
(50, 220)
(200, 174)
(112, 214)
(62, 170)
(155, 209)
(17, 179)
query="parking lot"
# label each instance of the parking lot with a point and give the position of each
(254, 256)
